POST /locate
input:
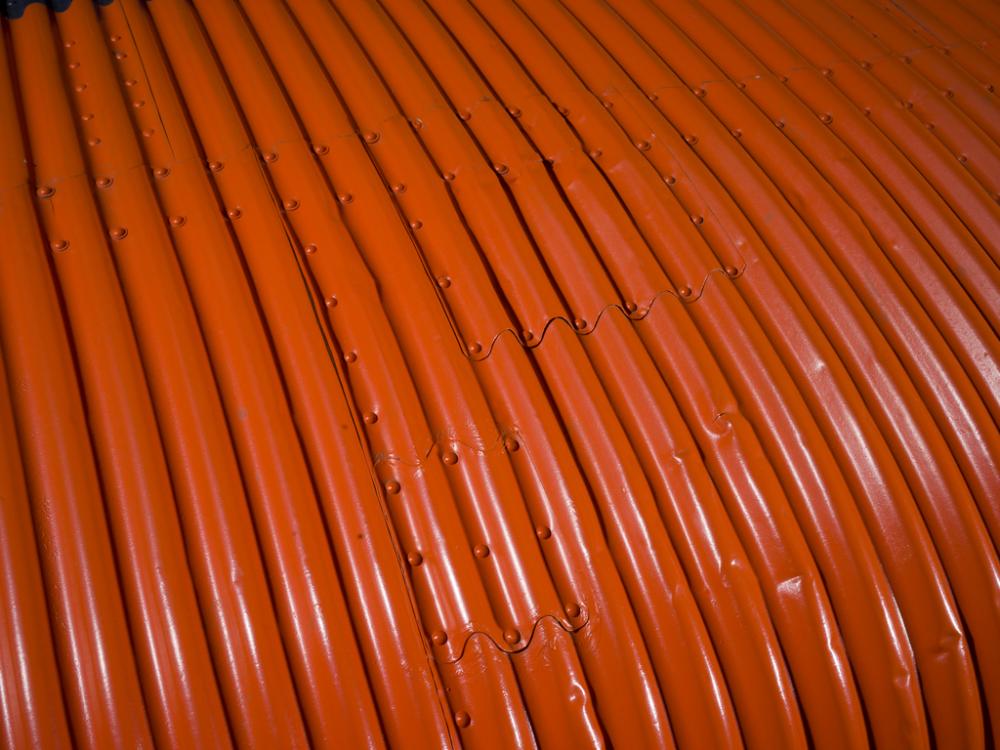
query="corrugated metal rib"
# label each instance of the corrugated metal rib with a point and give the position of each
(439, 373)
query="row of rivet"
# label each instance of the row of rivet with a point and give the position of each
(443, 281)
(393, 487)
(117, 233)
(645, 145)
(700, 92)
(826, 118)
(670, 181)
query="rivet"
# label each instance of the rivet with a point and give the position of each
(118, 233)
(215, 166)
(270, 156)
(511, 445)
(94, 142)
(371, 418)
(177, 221)
(827, 73)
(865, 65)
(779, 124)
(80, 87)
(741, 85)
(826, 118)
(351, 356)
(671, 179)
(737, 133)
(462, 719)
(417, 124)
(449, 176)
(501, 169)
(372, 137)
(691, 139)
(697, 220)
(345, 198)
(45, 192)
(511, 636)
(989, 87)
(475, 347)
(416, 224)
(543, 532)
(444, 282)
(608, 104)
(60, 245)
(450, 458)
(700, 93)
(116, 38)
(572, 609)
(631, 307)
(291, 204)
(399, 188)
(686, 291)
(579, 324)
(527, 335)
(392, 487)
(906, 59)
(104, 182)
(73, 65)
(481, 550)
(414, 559)
(732, 271)
(439, 638)
(929, 125)
(69, 44)
(119, 55)
(868, 111)
(321, 150)
(310, 249)
(642, 145)
(331, 301)
(161, 172)
(465, 116)
(595, 154)
(87, 116)
(515, 112)
(652, 97)
(783, 79)
(907, 105)
(950, 94)
(139, 104)
(131, 82)
(234, 213)
(962, 158)
(148, 133)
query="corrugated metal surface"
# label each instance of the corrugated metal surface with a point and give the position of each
(500, 373)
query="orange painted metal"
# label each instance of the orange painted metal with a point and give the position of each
(500, 373)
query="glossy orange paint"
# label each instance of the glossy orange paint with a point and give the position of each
(500, 373)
